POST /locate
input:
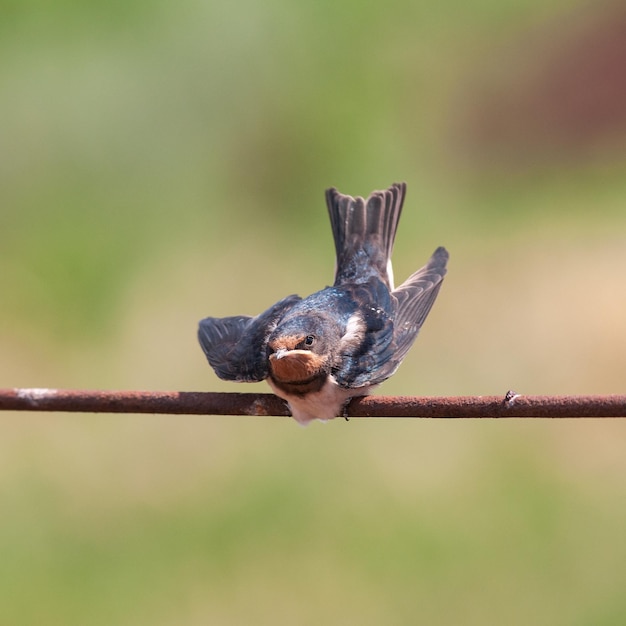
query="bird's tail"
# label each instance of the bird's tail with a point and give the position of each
(364, 231)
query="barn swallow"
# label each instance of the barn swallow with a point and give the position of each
(319, 352)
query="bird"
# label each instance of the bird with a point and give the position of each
(319, 352)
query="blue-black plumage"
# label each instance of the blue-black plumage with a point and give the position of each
(340, 342)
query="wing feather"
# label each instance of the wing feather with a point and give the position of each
(416, 296)
(236, 346)
(391, 324)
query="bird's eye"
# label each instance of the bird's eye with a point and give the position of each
(309, 340)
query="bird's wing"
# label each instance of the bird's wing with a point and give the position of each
(367, 346)
(391, 327)
(416, 296)
(236, 346)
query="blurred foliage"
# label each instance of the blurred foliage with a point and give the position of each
(165, 161)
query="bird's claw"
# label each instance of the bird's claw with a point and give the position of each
(344, 410)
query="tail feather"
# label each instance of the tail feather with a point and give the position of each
(364, 231)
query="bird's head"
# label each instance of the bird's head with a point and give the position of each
(300, 349)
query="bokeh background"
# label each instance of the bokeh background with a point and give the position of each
(161, 161)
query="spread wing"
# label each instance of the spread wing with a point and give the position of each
(416, 296)
(367, 346)
(236, 346)
(391, 327)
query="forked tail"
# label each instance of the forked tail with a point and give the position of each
(364, 231)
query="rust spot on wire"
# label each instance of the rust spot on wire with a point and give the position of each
(206, 403)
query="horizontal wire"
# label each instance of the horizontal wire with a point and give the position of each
(207, 403)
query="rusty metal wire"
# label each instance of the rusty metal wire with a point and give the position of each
(206, 403)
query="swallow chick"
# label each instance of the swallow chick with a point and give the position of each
(319, 352)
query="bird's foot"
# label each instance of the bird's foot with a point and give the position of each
(344, 410)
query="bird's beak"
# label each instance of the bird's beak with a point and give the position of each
(279, 354)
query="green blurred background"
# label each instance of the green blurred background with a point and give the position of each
(160, 162)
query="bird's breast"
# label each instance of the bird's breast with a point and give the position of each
(298, 368)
